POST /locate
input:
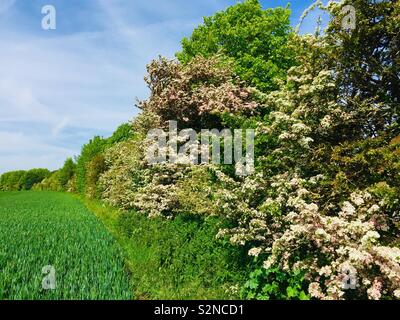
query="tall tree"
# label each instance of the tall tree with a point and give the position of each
(256, 40)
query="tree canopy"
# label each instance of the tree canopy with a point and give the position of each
(255, 39)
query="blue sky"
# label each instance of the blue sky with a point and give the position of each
(58, 88)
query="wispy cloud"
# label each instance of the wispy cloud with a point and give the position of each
(59, 127)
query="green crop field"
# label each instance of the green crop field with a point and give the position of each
(39, 229)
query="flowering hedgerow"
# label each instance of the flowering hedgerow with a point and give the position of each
(297, 236)
(328, 247)
(323, 201)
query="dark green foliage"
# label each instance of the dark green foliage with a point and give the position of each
(367, 61)
(256, 40)
(274, 284)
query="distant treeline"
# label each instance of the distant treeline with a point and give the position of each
(22, 180)
(79, 175)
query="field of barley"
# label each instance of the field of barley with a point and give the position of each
(39, 229)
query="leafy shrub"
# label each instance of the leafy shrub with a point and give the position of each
(274, 284)
(323, 199)
(91, 162)
(34, 176)
(347, 242)
(194, 193)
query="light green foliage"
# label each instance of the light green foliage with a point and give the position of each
(255, 39)
(143, 123)
(40, 229)
(123, 133)
(71, 185)
(194, 193)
